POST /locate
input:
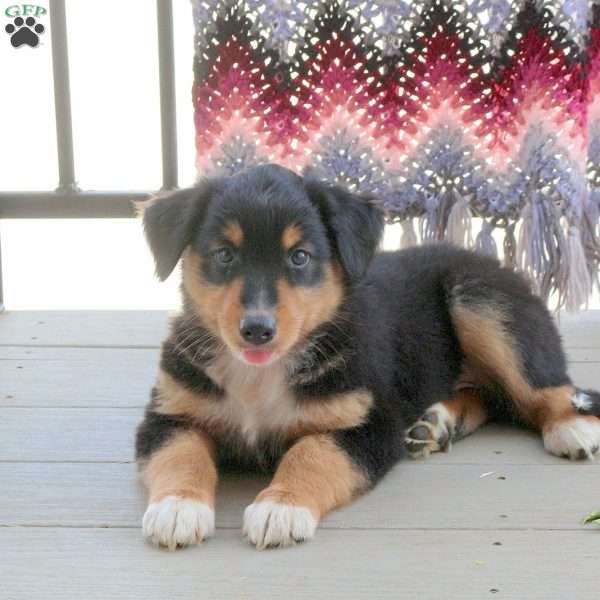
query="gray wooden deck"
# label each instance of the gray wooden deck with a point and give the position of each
(497, 517)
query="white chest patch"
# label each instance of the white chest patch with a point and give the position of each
(258, 404)
(257, 400)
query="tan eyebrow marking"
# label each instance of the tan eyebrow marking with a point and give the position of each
(233, 233)
(292, 234)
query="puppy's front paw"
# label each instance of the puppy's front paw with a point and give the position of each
(433, 432)
(269, 524)
(175, 521)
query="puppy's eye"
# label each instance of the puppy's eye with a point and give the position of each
(299, 258)
(223, 256)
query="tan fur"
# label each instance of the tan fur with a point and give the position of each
(292, 234)
(219, 306)
(317, 474)
(553, 406)
(341, 411)
(234, 234)
(257, 401)
(174, 399)
(184, 466)
(467, 409)
(490, 349)
(299, 309)
(491, 354)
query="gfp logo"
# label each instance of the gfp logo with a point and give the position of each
(24, 29)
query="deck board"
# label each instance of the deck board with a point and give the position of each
(76, 377)
(422, 496)
(102, 329)
(72, 389)
(428, 565)
(68, 434)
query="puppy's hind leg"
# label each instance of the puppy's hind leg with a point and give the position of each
(568, 421)
(514, 344)
(446, 422)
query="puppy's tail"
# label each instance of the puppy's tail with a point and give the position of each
(587, 402)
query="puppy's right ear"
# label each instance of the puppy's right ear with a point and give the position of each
(354, 222)
(170, 222)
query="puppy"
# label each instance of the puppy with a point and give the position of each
(300, 351)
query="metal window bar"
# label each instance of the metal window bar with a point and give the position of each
(62, 97)
(67, 200)
(166, 73)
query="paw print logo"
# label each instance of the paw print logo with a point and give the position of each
(24, 31)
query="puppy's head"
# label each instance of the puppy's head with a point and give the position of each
(267, 256)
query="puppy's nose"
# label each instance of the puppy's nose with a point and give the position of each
(258, 329)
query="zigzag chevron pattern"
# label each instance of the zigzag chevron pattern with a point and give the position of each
(443, 109)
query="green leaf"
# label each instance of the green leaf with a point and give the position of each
(593, 518)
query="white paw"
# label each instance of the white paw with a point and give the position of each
(268, 524)
(433, 432)
(576, 438)
(176, 521)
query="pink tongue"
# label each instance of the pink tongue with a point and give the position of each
(257, 357)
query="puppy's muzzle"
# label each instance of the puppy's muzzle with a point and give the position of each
(258, 329)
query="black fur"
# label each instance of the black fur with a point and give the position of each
(393, 334)
(479, 281)
(155, 430)
(353, 227)
(170, 224)
(375, 446)
(185, 371)
(185, 352)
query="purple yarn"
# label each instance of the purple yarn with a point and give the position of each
(443, 181)
(484, 242)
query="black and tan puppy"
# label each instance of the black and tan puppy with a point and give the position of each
(299, 351)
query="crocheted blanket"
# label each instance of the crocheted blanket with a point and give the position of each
(445, 110)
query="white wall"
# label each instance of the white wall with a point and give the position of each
(115, 104)
(92, 264)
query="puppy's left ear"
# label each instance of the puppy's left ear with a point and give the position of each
(170, 223)
(354, 224)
